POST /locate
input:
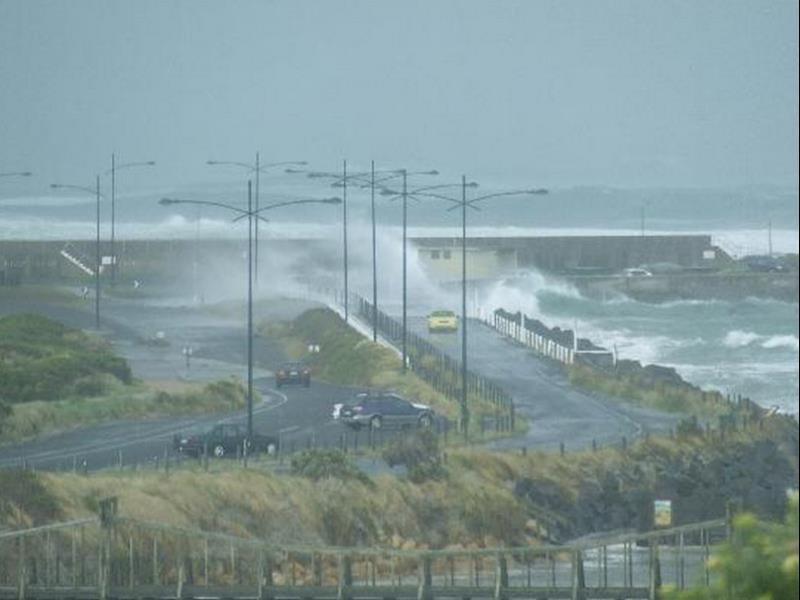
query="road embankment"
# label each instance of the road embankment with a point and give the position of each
(476, 499)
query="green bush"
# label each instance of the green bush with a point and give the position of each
(419, 453)
(759, 562)
(41, 359)
(5, 412)
(326, 464)
(23, 490)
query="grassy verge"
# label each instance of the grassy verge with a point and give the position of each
(685, 399)
(140, 400)
(347, 358)
(53, 377)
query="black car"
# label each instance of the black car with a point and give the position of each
(293, 372)
(224, 440)
(377, 410)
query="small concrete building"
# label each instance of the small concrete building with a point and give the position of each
(492, 256)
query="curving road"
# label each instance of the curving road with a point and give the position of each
(556, 412)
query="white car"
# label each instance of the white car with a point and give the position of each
(637, 272)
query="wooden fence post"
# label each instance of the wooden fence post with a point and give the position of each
(578, 580)
(655, 572)
(345, 577)
(22, 575)
(425, 579)
(501, 579)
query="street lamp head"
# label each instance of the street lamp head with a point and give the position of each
(150, 163)
(538, 191)
(473, 184)
(26, 174)
(332, 200)
(168, 201)
(337, 184)
(212, 162)
(431, 172)
(54, 186)
(293, 171)
(388, 192)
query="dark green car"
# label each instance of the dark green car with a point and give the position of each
(224, 440)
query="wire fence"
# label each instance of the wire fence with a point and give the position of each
(439, 369)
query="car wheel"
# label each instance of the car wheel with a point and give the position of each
(425, 421)
(376, 422)
(219, 451)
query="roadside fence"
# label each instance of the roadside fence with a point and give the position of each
(431, 364)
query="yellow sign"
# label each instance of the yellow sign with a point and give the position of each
(662, 513)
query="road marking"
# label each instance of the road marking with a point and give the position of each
(163, 432)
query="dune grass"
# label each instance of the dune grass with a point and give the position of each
(685, 399)
(478, 502)
(136, 401)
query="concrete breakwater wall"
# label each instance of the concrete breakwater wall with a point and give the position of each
(24, 261)
(733, 285)
(559, 344)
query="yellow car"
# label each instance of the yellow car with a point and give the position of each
(442, 321)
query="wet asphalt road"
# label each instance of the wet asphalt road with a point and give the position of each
(555, 411)
(300, 416)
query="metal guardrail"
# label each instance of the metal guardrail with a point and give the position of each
(120, 557)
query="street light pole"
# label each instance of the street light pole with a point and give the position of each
(258, 180)
(98, 260)
(344, 225)
(249, 310)
(464, 407)
(256, 168)
(463, 203)
(113, 220)
(113, 171)
(405, 275)
(251, 214)
(374, 257)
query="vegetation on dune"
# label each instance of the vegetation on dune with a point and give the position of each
(478, 499)
(117, 402)
(320, 464)
(43, 360)
(345, 357)
(669, 396)
(55, 377)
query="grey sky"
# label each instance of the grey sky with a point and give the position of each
(556, 93)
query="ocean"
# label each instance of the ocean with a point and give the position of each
(747, 346)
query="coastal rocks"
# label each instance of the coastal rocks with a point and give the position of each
(700, 483)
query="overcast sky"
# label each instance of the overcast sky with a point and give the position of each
(561, 93)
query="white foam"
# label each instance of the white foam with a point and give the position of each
(739, 339)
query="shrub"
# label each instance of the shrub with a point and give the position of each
(760, 561)
(326, 464)
(41, 359)
(419, 453)
(23, 490)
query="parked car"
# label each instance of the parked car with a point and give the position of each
(383, 409)
(764, 264)
(442, 321)
(637, 272)
(293, 372)
(224, 440)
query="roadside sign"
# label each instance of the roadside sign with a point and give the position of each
(662, 513)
